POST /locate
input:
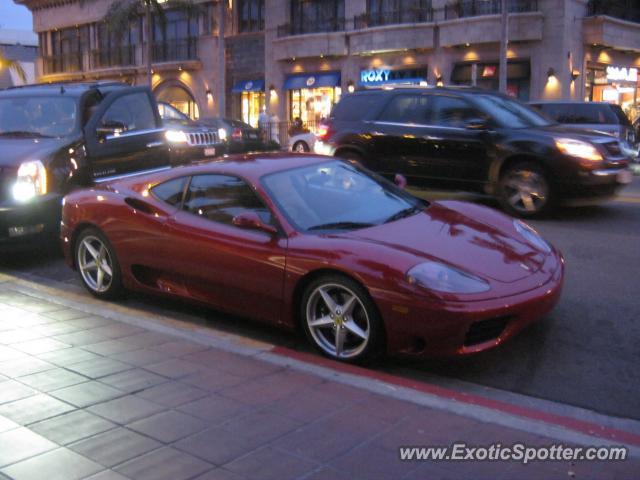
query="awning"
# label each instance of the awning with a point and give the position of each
(325, 79)
(248, 86)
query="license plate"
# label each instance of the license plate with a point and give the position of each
(209, 152)
(625, 176)
(253, 136)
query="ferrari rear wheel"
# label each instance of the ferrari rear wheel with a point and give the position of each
(341, 320)
(97, 264)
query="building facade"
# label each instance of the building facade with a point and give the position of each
(295, 58)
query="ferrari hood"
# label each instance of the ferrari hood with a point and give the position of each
(470, 237)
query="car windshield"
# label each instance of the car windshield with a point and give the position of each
(338, 196)
(39, 116)
(511, 113)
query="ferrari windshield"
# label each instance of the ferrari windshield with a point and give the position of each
(39, 116)
(338, 196)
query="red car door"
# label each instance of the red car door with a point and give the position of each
(237, 269)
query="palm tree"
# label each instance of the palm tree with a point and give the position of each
(14, 65)
(122, 12)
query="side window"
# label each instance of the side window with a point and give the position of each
(453, 112)
(220, 198)
(171, 191)
(407, 109)
(134, 111)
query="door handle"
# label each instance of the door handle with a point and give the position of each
(155, 144)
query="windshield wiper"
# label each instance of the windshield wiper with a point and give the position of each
(23, 133)
(407, 212)
(341, 226)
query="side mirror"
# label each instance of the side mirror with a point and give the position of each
(400, 180)
(253, 221)
(110, 127)
(476, 124)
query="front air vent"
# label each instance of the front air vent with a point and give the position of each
(485, 330)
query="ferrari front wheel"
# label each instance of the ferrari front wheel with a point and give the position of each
(341, 320)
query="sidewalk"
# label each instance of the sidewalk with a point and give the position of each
(84, 396)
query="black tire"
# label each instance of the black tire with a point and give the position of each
(525, 190)
(362, 317)
(301, 146)
(110, 287)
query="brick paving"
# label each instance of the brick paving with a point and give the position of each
(86, 397)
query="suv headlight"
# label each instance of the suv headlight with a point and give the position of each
(31, 181)
(442, 278)
(176, 136)
(222, 134)
(578, 149)
(531, 236)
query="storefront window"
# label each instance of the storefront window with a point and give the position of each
(614, 84)
(312, 105)
(179, 98)
(486, 75)
(252, 103)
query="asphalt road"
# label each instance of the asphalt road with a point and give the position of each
(585, 353)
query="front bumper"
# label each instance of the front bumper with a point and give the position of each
(596, 184)
(427, 329)
(22, 223)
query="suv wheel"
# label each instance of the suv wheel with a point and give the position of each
(525, 190)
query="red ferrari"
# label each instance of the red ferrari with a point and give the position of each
(361, 265)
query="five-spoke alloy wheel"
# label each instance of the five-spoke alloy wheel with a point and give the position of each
(97, 264)
(341, 320)
(525, 190)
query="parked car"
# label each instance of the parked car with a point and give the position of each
(359, 264)
(475, 140)
(189, 139)
(240, 137)
(56, 137)
(598, 116)
(302, 142)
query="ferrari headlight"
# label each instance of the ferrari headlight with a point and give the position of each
(222, 134)
(531, 236)
(31, 181)
(443, 278)
(578, 149)
(176, 136)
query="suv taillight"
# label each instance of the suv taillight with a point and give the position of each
(324, 131)
(236, 134)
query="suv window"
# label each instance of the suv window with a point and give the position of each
(171, 191)
(622, 117)
(456, 112)
(406, 109)
(355, 107)
(579, 113)
(220, 198)
(134, 111)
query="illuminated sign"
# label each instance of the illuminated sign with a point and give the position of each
(622, 74)
(376, 75)
(489, 71)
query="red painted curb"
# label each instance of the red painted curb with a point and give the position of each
(569, 423)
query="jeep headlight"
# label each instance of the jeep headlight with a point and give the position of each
(222, 134)
(176, 136)
(31, 181)
(443, 278)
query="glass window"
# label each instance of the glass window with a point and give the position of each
(171, 191)
(168, 112)
(588, 113)
(250, 15)
(220, 198)
(509, 113)
(406, 109)
(337, 196)
(453, 112)
(316, 16)
(355, 107)
(134, 111)
(312, 105)
(179, 98)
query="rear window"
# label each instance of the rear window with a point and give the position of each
(355, 107)
(587, 113)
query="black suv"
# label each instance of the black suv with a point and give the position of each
(55, 137)
(470, 139)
